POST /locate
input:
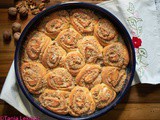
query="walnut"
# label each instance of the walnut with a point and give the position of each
(22, 4)
(41, 6)
(16, 36)
(16, 27)
(23, 11)
(6, 36)
(32, 7)
(35, 11)
(12, 13)
(45, 1)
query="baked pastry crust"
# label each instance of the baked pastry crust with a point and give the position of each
(59, 22)
(53, 55)
(32, 74)
(90, 49)
(55, 101)
(68, 39)
(103, 95)
(60, 79)
(114, 77)
(116, 54)
(81, 102)
(89, 76)
(74, 62)
(83, 20)
(105, 32)
(36, 45)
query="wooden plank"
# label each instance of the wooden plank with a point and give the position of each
(134, 112)
(6, 3)
(120, 112)
(143, 93)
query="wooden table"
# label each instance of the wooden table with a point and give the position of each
(141, 101)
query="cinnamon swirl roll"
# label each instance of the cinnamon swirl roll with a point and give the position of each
(116, 54)
(103, 95)
(90, 49)
(60, 79)
(55, 101)
(53, 24)
(83, 20)
(89, 76)
(105, 32)
(53, 55)
(81, 102)
(32, 74)
(114, 77)
(68, 39)
(62, 14)
(36, 45)
(74, 61)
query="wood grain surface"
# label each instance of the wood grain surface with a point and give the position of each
(142, 102)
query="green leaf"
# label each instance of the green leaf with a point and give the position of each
(131, 8)
(132, 22)
(144, 64)
(138, 19)
(139, 57)
(139, 31)
(143, 52)
(140, 72)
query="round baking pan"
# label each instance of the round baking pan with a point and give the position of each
(98, 10)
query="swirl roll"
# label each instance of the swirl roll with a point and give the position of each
(105, 32)
(62, 14)
(83, 20)
(32, 74)
(55, 101)
(55, 26)
(114, 77)
(60, 79)
(103, 95)
(89, 76)
(36, 45)
(74, 62)
(59, 22)
(90, 49)
(53, 55)
(116, 54)
(81, 102)
(68, 39)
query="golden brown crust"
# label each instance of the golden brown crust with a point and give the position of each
(55, 101)
(74, 61)
(90, 49)
(114, 77)
(116, 54)
(55, 23)
(81, 102)
(32, 74)
(60, 79)
(53, 55)
(83, 20)
(105, 32)
(89, 76)
(103, 95)
(55, 26)
(36, 45)
(68, 39)
(62, 14)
